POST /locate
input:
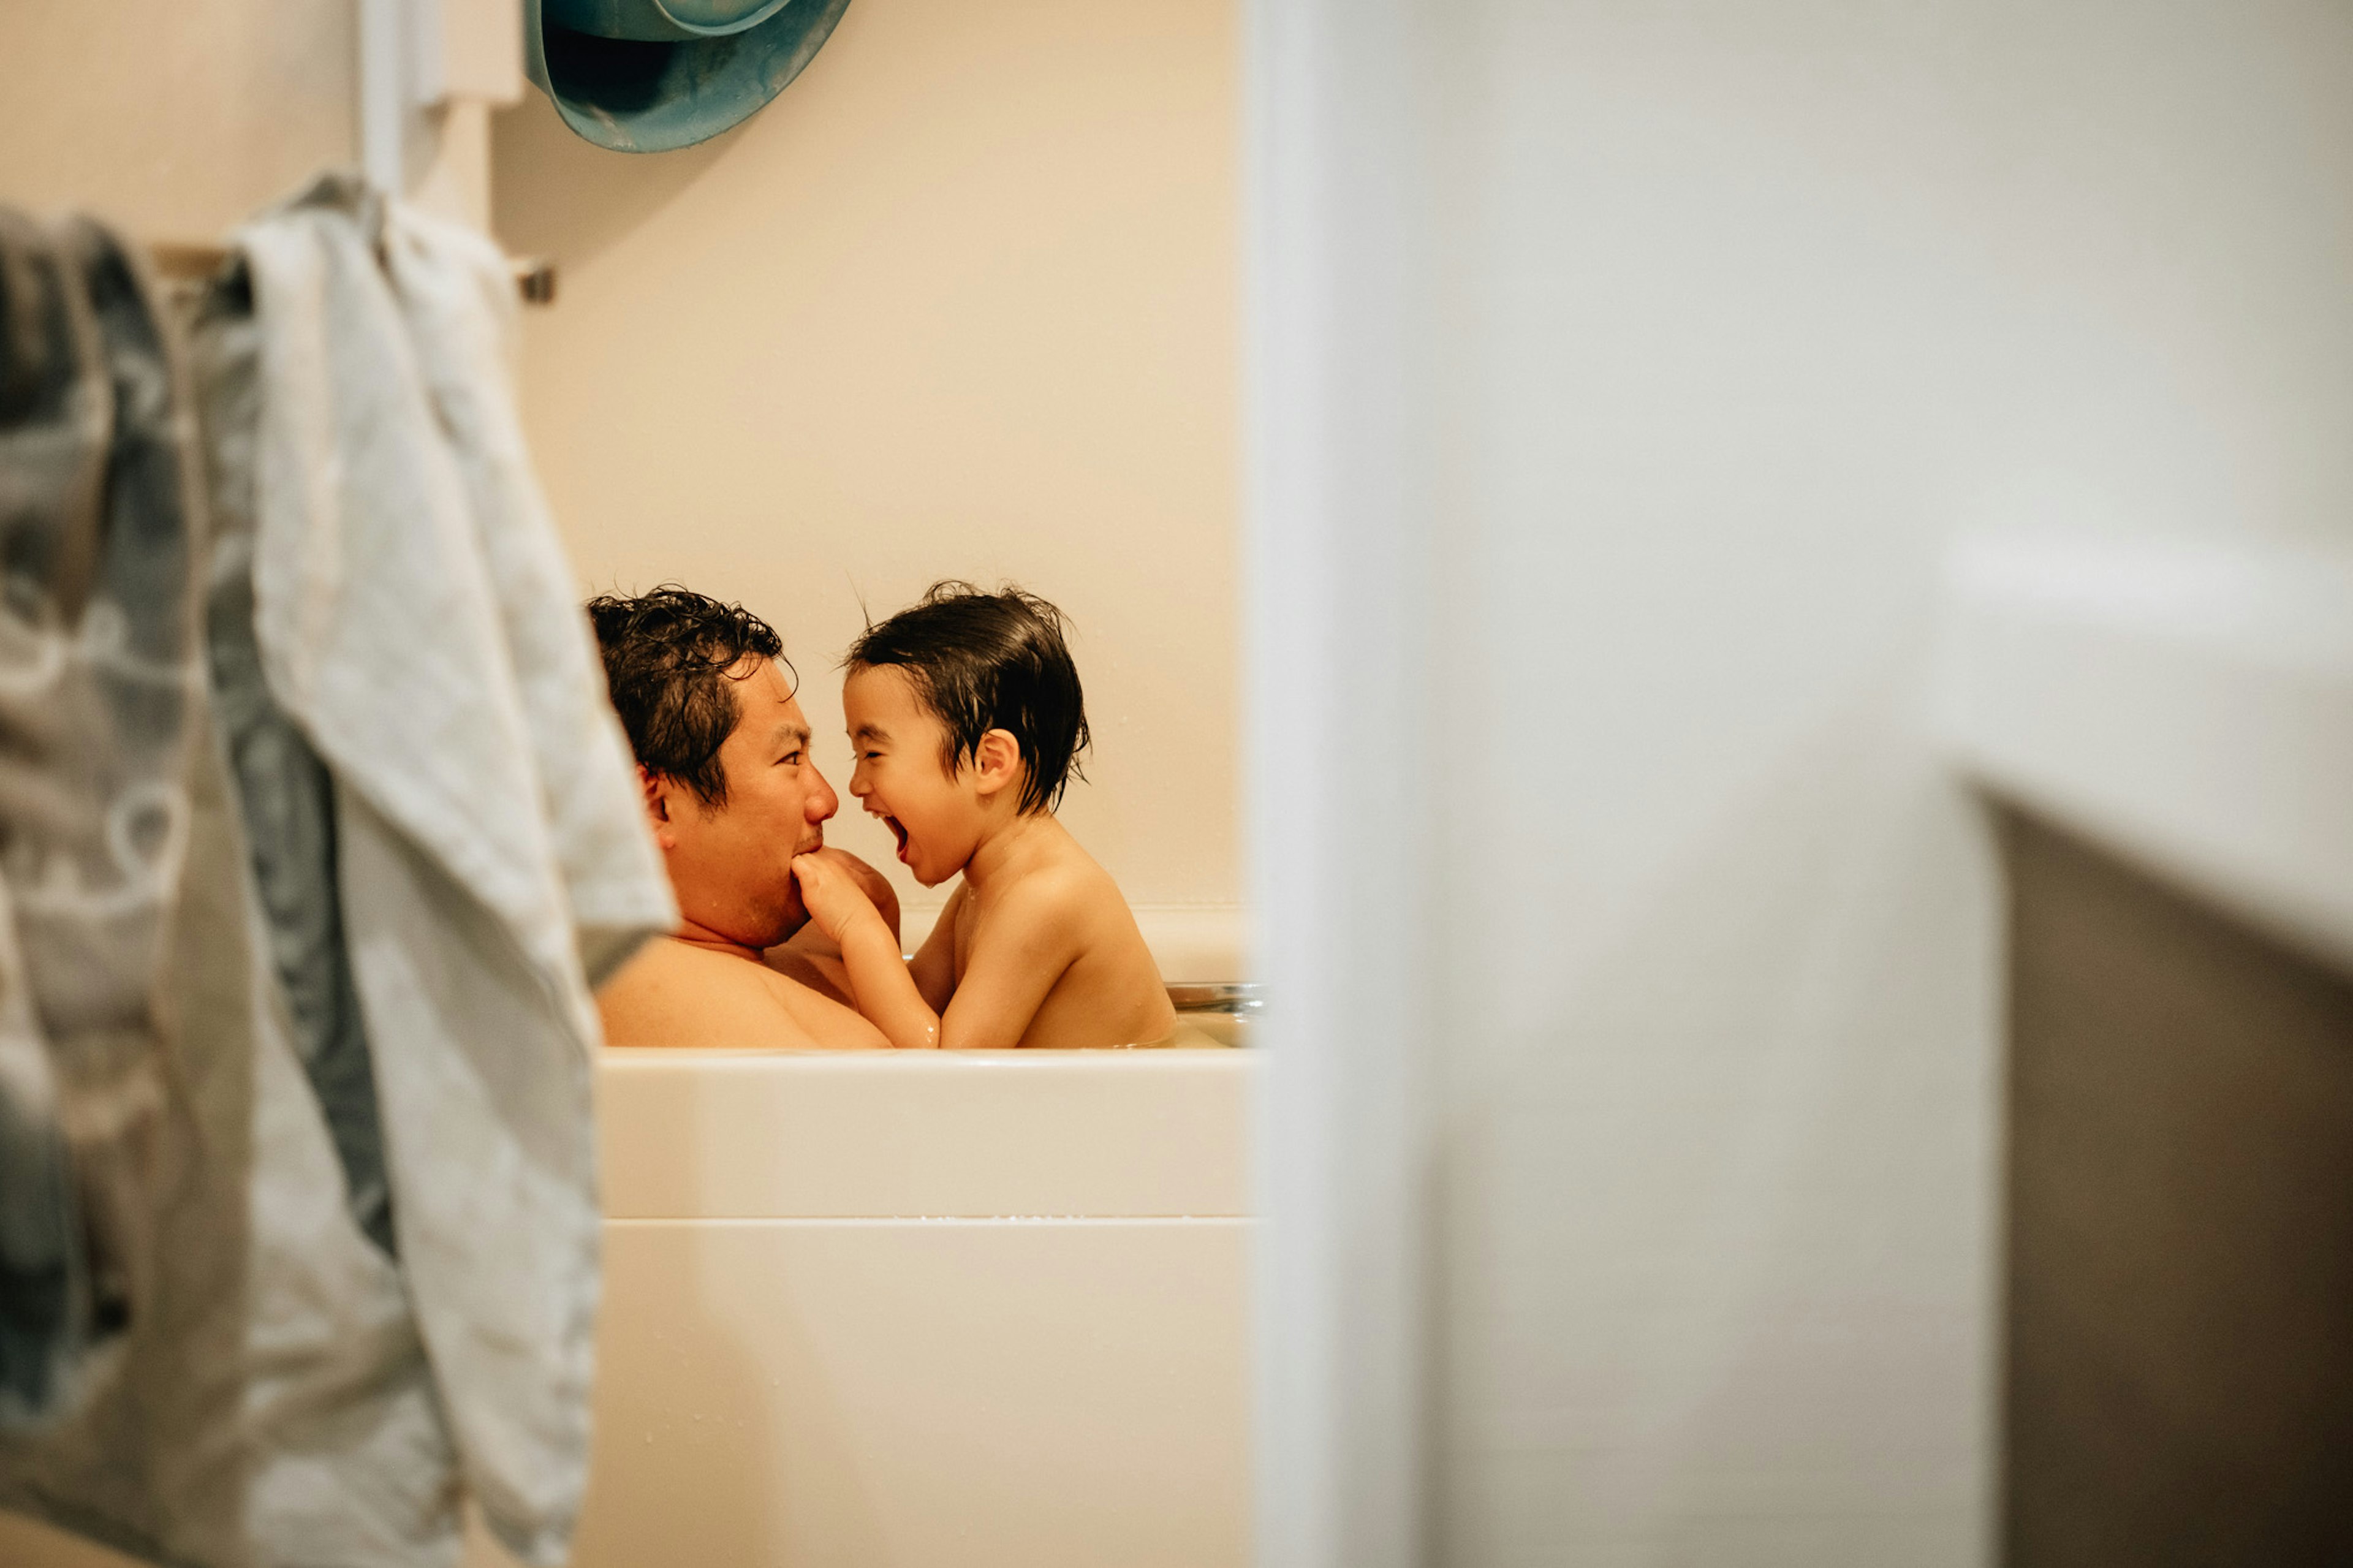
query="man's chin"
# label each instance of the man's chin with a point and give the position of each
(772, 927)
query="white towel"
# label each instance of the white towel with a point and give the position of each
(415, 619)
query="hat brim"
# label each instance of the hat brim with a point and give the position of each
(635, 95)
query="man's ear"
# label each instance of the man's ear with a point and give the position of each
(995, 762)
(657, 791)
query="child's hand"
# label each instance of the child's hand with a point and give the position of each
(832, 896)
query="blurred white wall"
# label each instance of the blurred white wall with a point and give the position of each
(960, 303)
(1621, 372)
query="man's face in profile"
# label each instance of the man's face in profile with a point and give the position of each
(730, 863)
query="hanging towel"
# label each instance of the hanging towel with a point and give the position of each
(264, 1400)
(349, 1457)
(54, 420)
(413, 618)
(457, 294)
(94, 681)
(45, 1324)
(286, 793)
(298, 1230)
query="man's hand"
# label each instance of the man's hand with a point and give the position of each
(832, 895)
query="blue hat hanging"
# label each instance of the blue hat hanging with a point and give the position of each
(646, 76)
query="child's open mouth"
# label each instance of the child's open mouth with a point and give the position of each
(899, 833)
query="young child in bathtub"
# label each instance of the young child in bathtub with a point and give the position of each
(966, 718)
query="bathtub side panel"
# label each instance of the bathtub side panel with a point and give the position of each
(1031, 1394)
(971, 1134)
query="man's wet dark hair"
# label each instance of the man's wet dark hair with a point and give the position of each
(989, 661)
(668, 655)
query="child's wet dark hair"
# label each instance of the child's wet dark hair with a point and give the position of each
(989, 661)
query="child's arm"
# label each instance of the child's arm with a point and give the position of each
(934, 965)
(813, 958)
(811, 938)
(879, 982)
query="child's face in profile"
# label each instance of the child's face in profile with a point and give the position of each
(900, 777)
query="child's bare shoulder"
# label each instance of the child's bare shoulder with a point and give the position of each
(1069, 896)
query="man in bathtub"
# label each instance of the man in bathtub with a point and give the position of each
(733, 795)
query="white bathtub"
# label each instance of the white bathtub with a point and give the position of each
(911, 1311)
(956, 1310)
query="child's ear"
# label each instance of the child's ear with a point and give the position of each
(995, 762)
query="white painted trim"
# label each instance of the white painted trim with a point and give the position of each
(429, 72)
(384, 91)
(2188, 705)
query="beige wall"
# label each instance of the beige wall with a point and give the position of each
(960, 303)
(176, 117)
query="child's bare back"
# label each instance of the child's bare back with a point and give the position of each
(1059, 911)
(966, 716)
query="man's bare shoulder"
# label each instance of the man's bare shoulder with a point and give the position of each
(677, 995)
(822, 973)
